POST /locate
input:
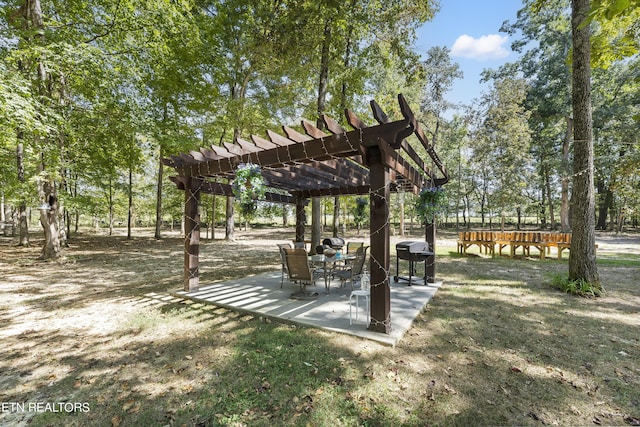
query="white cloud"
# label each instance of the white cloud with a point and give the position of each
(486, 47)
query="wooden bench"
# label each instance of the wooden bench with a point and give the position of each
(531, 239)
(488, 240)
(521, 239)
(562, 241)
(504, 239)
(482, 239)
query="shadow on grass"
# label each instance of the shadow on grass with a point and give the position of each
(236, 369)
(526, 354)
(495, 347)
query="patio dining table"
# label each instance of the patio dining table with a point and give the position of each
(326, 260)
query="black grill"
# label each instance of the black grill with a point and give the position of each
(412, 252)
(333, 242)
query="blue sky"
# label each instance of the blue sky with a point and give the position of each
(470, 30)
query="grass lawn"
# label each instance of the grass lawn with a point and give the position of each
(99, 333)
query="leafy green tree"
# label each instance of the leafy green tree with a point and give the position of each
(440, 74)
(360, 212)
(617, 34)
(502, 145)
(616, 105)
(545, 43)
(582, 258)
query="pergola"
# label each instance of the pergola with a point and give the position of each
(373, 160)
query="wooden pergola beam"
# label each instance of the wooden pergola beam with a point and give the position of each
(222, 189)
(334, 191)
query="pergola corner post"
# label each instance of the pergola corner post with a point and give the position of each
(379, 235)
(300, 218)
(191, 280)
(430, 237)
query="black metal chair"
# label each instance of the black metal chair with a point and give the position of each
(354, 269)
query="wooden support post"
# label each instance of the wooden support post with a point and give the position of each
(192, 237)
(430, 270)
(379, 230)
(300, 219)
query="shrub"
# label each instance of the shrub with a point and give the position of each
(577, 287)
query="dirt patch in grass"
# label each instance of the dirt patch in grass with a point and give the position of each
(496, 346)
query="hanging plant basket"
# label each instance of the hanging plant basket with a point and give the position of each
(249, 184)
(430, 202)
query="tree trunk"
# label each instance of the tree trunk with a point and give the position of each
(23, 224)
(284, 215)
(582, 257)
(67, 221)
(76, 213)
(51, 248)
(336, 216)
(130, 211)
(213, 217)
(465, 205)
(111, 207)
(229, 232)
(32, 13)
(158, 234)
(565, 224)
(482, 207)
(542, 213)
(552, 218)
(606, 202)
(315, 223)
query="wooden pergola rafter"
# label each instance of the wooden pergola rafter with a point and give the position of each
(371, 160)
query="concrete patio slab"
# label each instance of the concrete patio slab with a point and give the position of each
(261, 295)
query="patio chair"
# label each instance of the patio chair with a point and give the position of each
(351, 248)
(299, 270)
(354, 269)
(365, 293)
(283, 260)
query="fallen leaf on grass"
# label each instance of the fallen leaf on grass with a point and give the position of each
(449, 390)
(264, 387)
(115, 421)
(128, 405)
(632, 421)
